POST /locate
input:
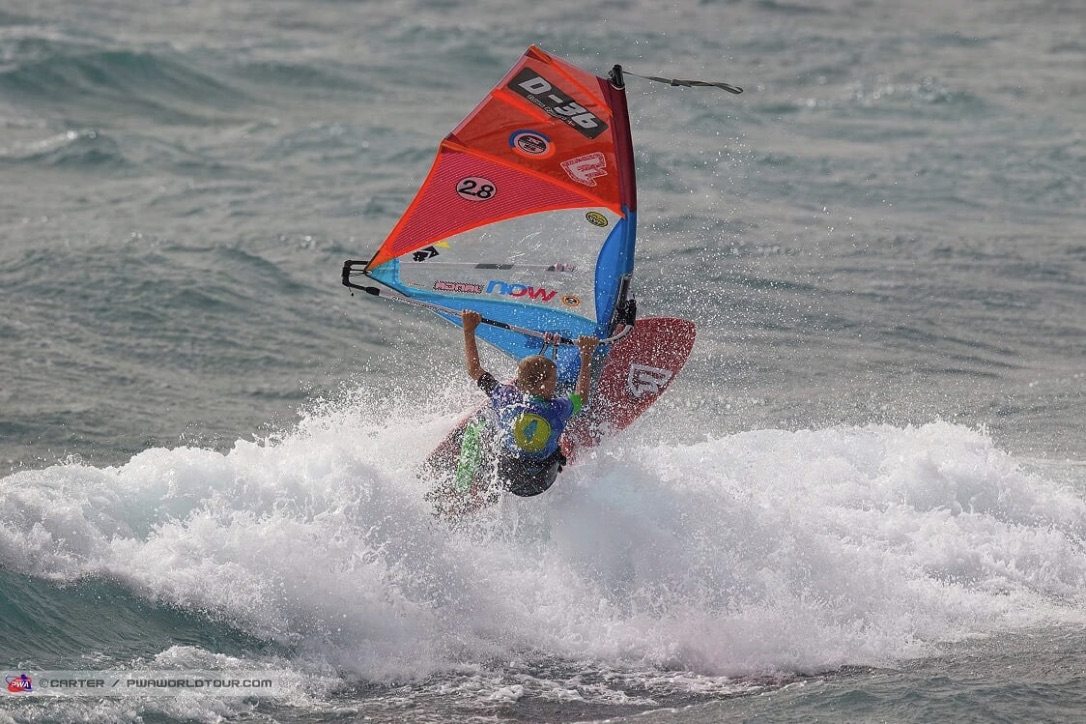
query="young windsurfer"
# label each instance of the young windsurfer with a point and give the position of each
(530, 417)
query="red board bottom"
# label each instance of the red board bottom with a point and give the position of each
(639, 368)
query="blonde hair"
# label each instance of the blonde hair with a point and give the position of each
(533, 371)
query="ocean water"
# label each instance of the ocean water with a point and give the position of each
(863, 500)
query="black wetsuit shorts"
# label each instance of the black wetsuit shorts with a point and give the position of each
(530, 477)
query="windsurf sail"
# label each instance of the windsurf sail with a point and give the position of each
(528, 215)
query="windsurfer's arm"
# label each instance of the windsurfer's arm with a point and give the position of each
(471, 348)
(587, 345)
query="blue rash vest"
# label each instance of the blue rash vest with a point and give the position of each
(529, 425)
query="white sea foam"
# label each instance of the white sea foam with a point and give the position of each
(768, 551)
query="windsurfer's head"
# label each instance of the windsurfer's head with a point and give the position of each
(537, 375)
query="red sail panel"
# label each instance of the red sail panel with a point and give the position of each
(463, 192)
(544, 138)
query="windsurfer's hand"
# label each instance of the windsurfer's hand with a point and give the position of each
(470, 319)
(587, 345)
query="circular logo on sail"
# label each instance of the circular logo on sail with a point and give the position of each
(531, 144)
(596, 218)
(476, 188)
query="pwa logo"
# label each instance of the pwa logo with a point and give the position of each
(18, 684)
(520, 290)
(644, 380)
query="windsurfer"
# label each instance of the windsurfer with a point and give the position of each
(530, 417)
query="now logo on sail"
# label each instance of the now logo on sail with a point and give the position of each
(539, 294)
